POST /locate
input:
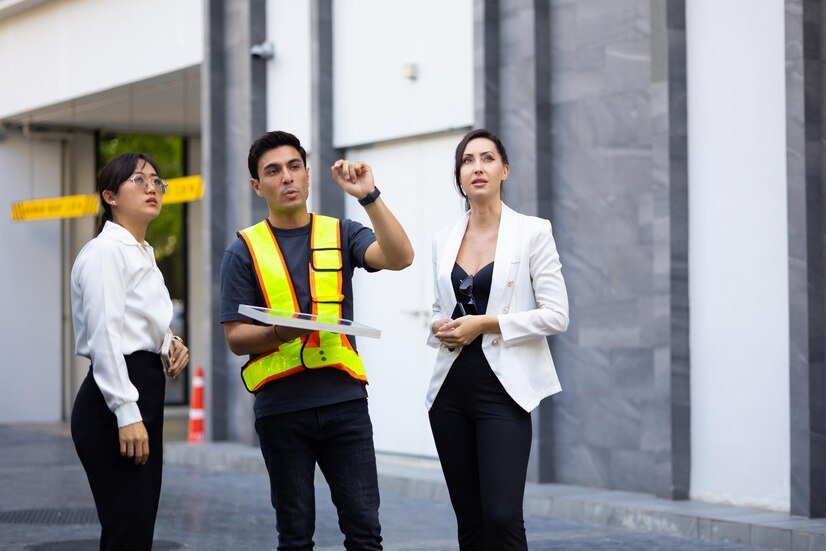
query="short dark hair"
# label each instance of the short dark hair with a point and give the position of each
(460, 152)
(115, 173)
(272, 140)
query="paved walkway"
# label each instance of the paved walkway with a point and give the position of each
(215, 497)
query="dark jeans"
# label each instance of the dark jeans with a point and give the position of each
(484, 439)
(339, 438)
(126, 495)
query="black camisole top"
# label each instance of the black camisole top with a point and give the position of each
(477, 286)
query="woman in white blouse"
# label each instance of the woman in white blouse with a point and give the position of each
(499, 293)
(121, 312)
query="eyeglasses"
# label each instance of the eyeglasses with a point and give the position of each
(466, 288)
(140, 183)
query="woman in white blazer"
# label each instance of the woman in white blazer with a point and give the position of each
(499, 292)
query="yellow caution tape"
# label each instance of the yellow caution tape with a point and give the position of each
(180, 190)
(71, 206)
(183, 190)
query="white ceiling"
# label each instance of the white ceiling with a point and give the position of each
(168, 104)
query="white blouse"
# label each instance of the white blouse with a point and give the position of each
(120, 305)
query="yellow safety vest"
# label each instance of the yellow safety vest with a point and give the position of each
(319, 349)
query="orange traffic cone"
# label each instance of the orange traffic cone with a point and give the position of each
(196, 407)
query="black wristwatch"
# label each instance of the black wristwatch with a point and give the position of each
(370, 197)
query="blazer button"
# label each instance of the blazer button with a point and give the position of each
(505, 310)
(495, 342)
(510, 283)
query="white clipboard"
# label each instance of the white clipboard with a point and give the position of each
(300, 320)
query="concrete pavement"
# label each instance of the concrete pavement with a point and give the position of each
(215, 497)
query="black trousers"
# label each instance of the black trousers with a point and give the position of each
(126, 495)
(339, 438)
(483, 439)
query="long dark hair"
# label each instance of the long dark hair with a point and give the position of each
(460, 152)
(116, 172)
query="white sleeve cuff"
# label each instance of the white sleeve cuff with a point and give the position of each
(127, 414)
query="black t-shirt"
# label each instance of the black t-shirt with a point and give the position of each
(239, 285)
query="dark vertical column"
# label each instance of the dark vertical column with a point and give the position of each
(258, 86)
(517, 106)
(807, 269)
(670, 172)
(228, 111)
(544, 441)
(213, 82)
(678, 208)
(258, 67)
(324, 154)
(486, 63)
(544, 107)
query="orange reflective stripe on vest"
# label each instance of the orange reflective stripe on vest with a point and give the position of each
(319, 349)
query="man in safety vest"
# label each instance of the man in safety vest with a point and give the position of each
(310, 397)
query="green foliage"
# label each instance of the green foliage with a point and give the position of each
(166, 150)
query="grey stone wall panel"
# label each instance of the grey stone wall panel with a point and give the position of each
(618, 153)
(590, 100)
(804, 26)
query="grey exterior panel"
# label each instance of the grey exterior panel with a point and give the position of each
(234, 99)
(807, 257)
(590, 100)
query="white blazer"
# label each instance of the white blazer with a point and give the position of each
(528, 296)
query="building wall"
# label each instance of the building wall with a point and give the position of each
(380, 116)
(584, 100)
(373, 100)
(61, 50)
(406, 129)
(612, 179)
(31, 279)
(611, 423)
(80, 177)
(738, 253)
(399, 365)
(289, 93)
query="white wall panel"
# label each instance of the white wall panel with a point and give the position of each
(738, 253)
(67, 49)
(30, 279)
(399, 365)
(373, 39)
(289, 94)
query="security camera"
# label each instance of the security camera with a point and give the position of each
(265, 50)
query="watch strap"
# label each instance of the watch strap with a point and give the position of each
(370, 197)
